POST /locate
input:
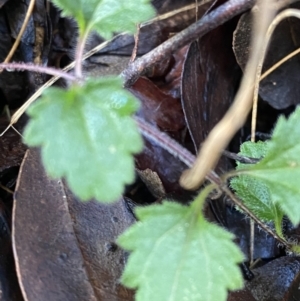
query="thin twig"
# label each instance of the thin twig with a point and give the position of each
(210, 21)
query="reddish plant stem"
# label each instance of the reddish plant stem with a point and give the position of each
(210, 21)
(166, 142)
(172, 146)
(37, 68)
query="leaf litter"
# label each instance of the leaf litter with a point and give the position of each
(153, 160)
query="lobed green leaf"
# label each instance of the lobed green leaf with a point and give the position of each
(88, 136)
(177, 255)
(107, 16)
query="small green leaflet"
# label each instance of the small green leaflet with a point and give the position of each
(279, 170)
(88, 136)
(253, 192)
(257, 150)
(107, 16)
(178, 256)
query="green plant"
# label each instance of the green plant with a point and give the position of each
(90, 109)
(92, 126)
(268, 188)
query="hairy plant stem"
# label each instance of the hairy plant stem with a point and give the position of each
(79, 54)
(36, 68)
(177, 150)
(172, 146)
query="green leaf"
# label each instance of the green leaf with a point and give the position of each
(256, 196)
(87, 136)
(177, 255)
(254, 193)
(279, 170)
(255, 150)
(107, 16)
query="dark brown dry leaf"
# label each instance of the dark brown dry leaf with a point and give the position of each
(165, 112)
(209, 81)
(157, 107)
(282, 87)
(65, 249)
(172, 81)
(273, 280)
(192, 84)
